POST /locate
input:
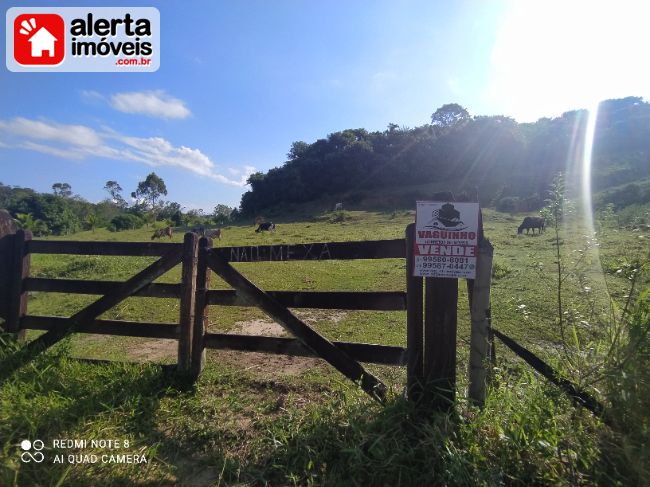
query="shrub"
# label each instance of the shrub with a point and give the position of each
(339, 216)
(508, 204)
(126, 221)
(500, 270)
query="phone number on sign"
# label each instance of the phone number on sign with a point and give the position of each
(435, 258)
(445, 265)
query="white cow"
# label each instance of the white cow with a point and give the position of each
(216, 233)
(338, 206)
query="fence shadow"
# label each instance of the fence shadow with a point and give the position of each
(337, 442)
(56, 396)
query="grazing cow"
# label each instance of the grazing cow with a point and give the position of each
(161, 232)
(338, 206)
(216, 233)
(266, 226)
(199, 229)
(531, 222)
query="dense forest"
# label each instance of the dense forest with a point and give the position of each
(511, 164)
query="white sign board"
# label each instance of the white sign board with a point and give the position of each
(446, 239)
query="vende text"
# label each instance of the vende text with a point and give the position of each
(446, 250)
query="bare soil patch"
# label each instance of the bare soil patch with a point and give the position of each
(265, 365)
(153, 350)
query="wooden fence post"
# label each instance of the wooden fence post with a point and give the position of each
(414, 325)
(440, 325)
(200, 308)
(480, 310)
(188, 296)
(19, 271)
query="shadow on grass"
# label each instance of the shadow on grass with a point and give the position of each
(54, 397)
(343, 442)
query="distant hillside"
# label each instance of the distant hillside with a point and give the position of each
(501, 157)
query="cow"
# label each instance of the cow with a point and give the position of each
(161, 232)
(338, 206)
(216, 233)
(266, 226)
(531, 222)
(199, 230)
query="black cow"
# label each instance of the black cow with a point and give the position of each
(531, 222)
(266, 226)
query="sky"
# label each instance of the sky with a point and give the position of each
(239, 81)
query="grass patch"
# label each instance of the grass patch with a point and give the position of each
(280, 421)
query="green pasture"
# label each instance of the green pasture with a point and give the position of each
(255, 419)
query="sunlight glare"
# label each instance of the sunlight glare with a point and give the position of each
(550, 56)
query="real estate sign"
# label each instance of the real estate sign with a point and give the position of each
(446, 239)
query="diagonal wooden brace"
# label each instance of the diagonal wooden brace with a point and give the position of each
(320, 345)
(106, 302)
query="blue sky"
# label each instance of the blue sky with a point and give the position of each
(239, 81)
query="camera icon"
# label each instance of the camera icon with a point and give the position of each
(27, 446)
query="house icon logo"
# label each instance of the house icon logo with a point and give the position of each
(39, 39)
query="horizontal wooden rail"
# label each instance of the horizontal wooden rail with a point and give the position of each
(155, 249)
(363, 352)
(382, 301)
(80, 286)
(372, 249)
(104, 327)
(377, 249)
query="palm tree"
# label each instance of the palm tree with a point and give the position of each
(27, 222)
(91, 221)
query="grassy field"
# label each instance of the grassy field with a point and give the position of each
(258, 419)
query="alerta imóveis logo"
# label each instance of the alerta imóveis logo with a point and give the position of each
(39, 39)
(68, 39)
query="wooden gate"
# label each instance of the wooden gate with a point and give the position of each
(198, 258)
(345, 357)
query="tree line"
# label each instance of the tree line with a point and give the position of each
(62, 212)
(511, 163)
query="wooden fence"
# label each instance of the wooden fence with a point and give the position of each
(430, 304)
(194, 294)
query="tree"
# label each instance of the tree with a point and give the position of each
(91, 221)
(114, 189)
(62, 189)
(221, 214)
(171, 210)
(449, 115)
(149, 190)
(298, 149)
(26, 221)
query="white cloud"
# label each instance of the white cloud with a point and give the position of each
(75, 135)
(92, 95)
(79, 142)
(151, 103)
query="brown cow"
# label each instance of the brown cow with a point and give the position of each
(161, 232)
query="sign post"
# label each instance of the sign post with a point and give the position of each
(444, 249)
